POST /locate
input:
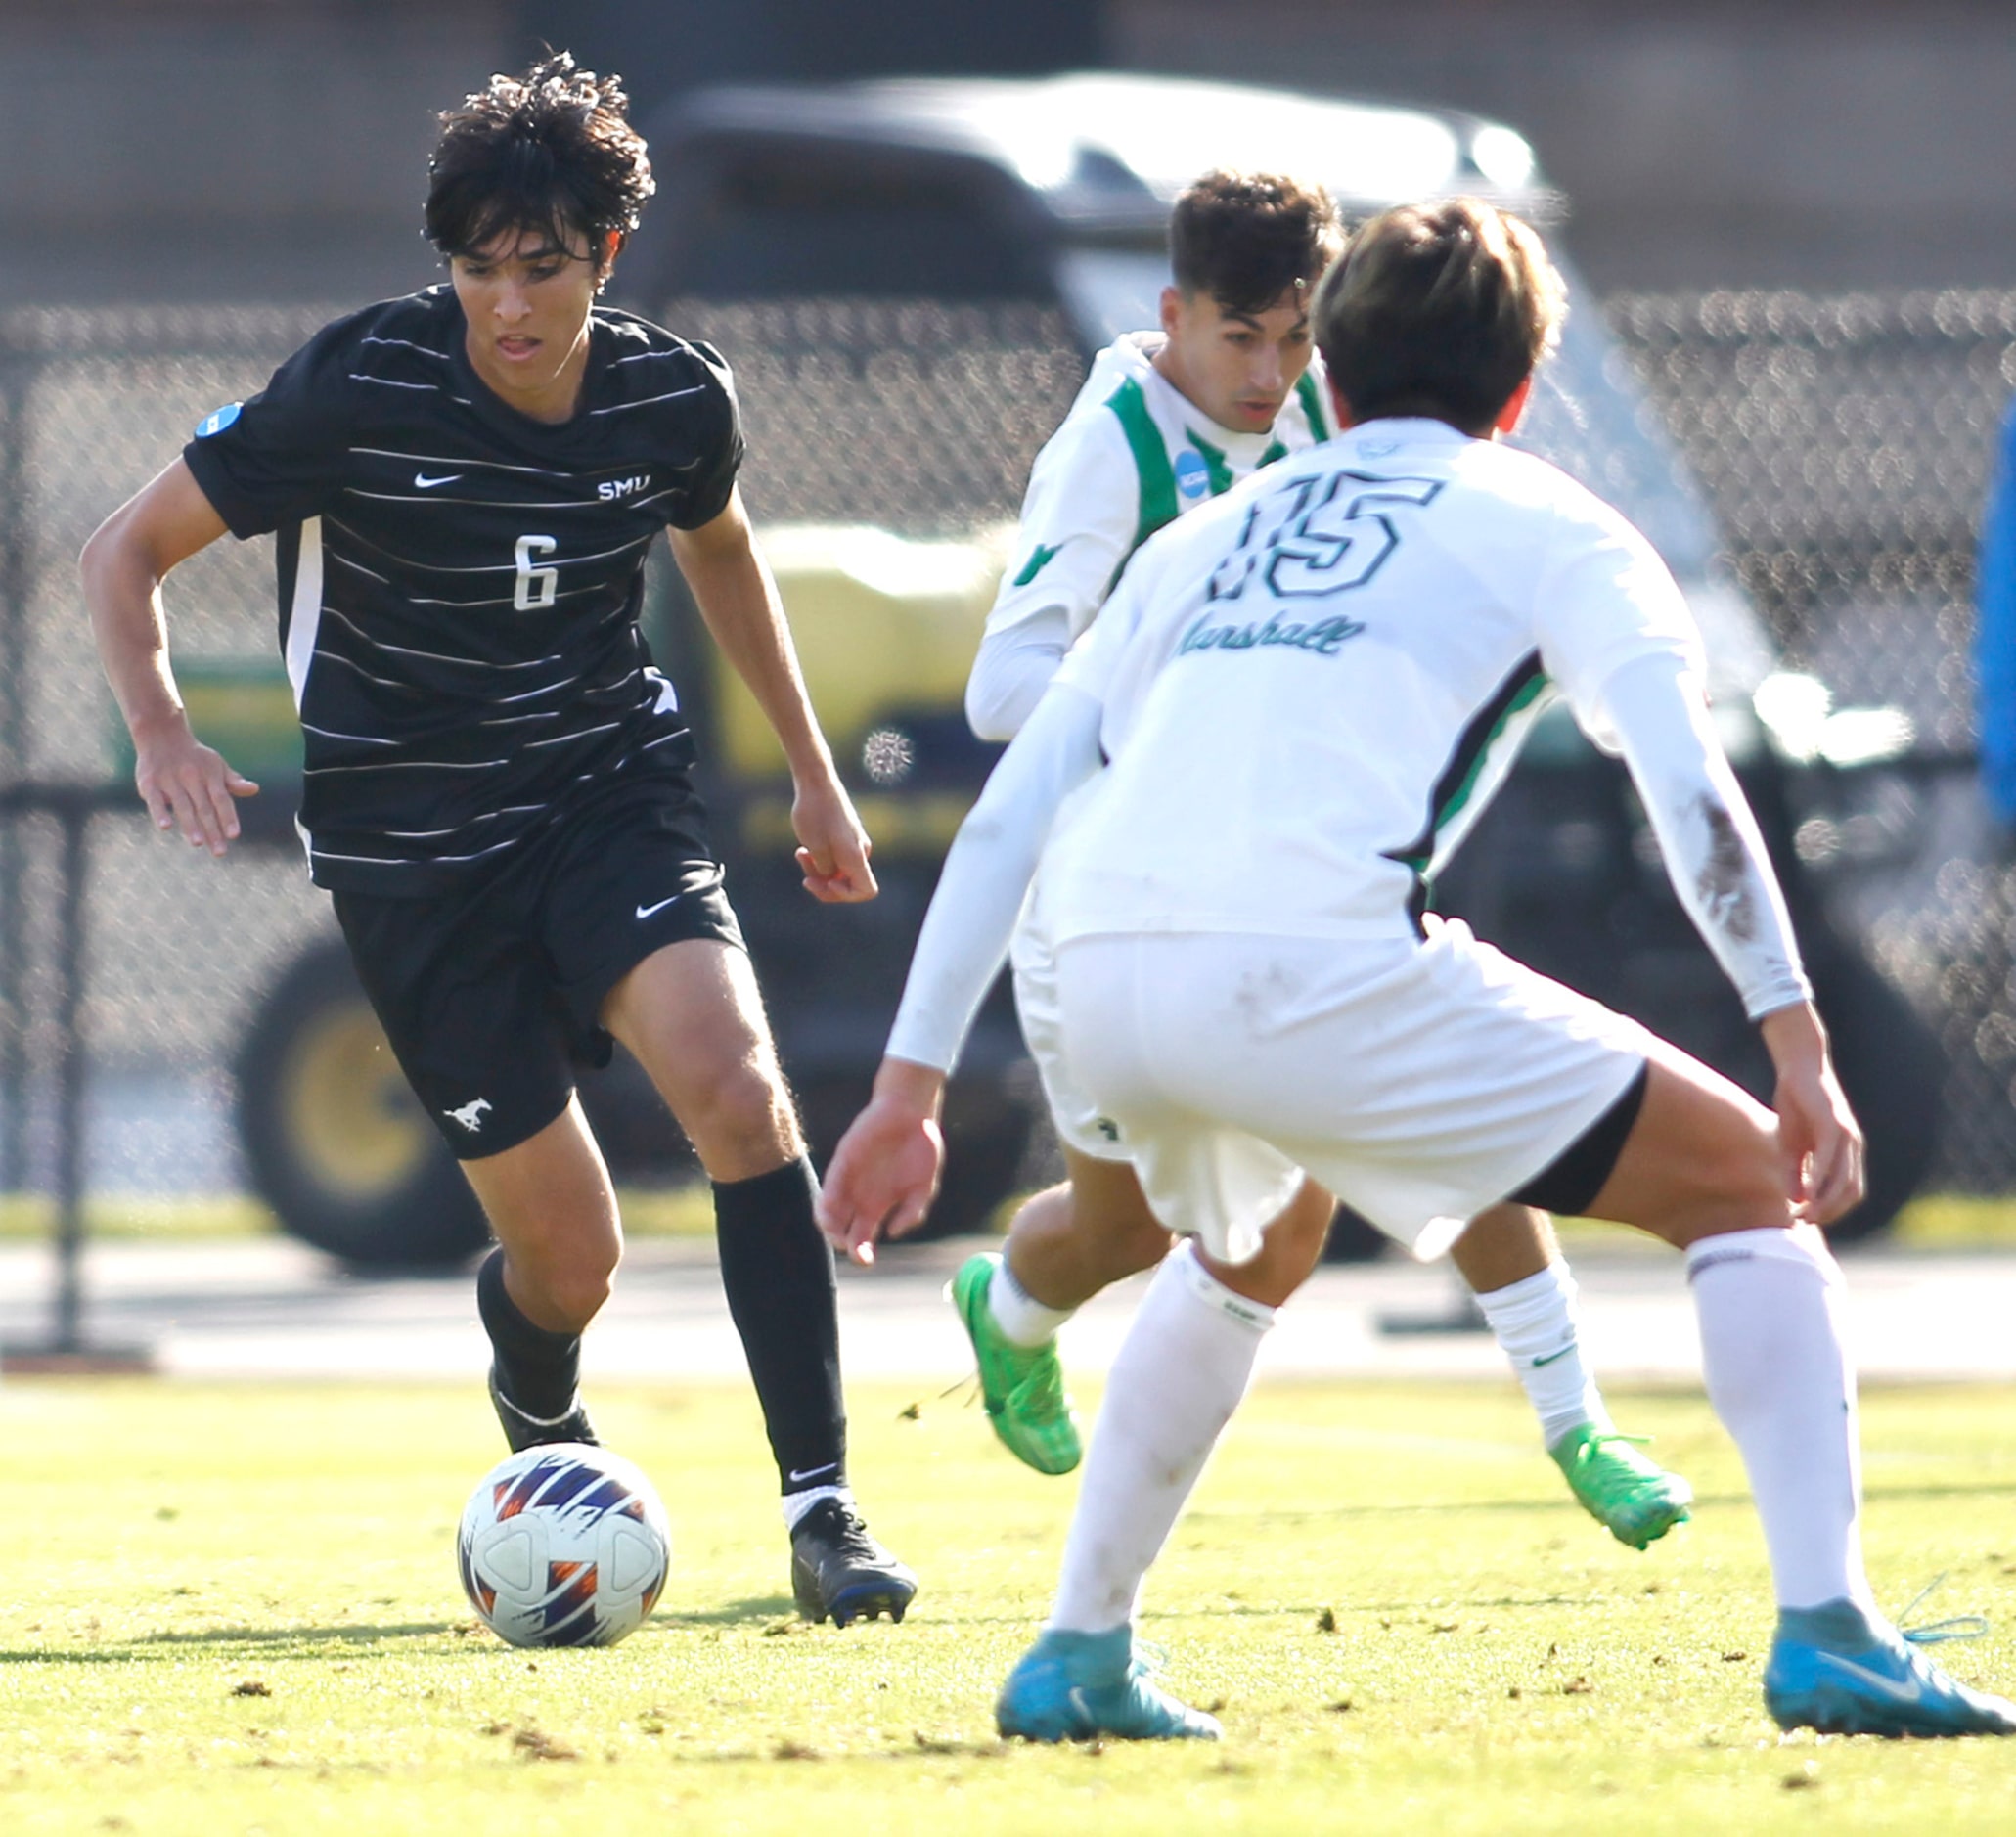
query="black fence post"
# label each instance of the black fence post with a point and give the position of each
(66, 1329)
(17, 563)
(72, 807)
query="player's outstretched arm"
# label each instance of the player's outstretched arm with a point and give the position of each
(737, 598)
(184, 784)
(884, 1173)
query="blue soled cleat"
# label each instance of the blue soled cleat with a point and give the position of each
(1842, 1671)
(1077, 1686)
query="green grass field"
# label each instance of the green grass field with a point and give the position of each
(234, 1609)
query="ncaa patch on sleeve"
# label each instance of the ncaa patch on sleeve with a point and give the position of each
(217, 420)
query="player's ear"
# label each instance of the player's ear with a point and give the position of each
(1171, 310)
(1507, 417)
(1345, 419)
(611, 247)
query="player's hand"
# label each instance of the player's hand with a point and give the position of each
(1819, 1136)
(884, 1173)
(189, 787)
(833, 846)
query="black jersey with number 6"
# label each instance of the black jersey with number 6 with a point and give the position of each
(460, 584)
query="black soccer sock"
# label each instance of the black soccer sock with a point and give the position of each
(536, 1368)
(779, 1274)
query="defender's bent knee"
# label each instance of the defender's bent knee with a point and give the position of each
(1109, 1210)
(1703, 1159)
(1290, 1248)
(1070, 1241)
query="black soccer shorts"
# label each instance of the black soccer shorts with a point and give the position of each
(492, 994)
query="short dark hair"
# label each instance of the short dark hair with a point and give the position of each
(548, 153)
(1440, 309)
(1247, 238)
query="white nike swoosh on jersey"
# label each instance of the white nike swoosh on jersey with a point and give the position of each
(1889, 1686)
(423, 483)
(644, 912)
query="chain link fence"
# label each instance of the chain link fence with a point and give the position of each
(179, 946)
(917, 416)
(1841, 445)
(1844, 444)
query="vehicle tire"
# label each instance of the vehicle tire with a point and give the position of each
(333, 1139)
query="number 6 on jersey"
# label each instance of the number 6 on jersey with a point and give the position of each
(537, 587)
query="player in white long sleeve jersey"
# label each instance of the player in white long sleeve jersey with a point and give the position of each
(1133, 454)
(1167, 422)
(1305, 694)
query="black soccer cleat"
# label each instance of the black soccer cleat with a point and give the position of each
(524, 1430)
(840, 1573)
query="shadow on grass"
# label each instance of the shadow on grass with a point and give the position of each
(749, 1610)
(347, 1635)
(341, 1641)
(1560, 1502)
(922, 1747)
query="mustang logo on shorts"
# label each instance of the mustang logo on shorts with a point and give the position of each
(471, 1115)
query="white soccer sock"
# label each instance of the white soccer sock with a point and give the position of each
(1536, 1326)
(1023, 1320)
(1179, 1376)
(1782, 1384)
(797, 1504)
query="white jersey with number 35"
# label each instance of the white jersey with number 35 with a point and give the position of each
(1311, 686)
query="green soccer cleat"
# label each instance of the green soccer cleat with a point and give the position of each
(1077, 1686)
(1023, 1386)
(1636, 1500)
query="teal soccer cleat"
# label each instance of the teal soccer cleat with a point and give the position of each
(1836, 1670)
(1077, 1686)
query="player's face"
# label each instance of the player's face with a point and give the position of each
(1237, 367)
(527, 302)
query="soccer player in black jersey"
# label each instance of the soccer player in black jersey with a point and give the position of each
(464, 485)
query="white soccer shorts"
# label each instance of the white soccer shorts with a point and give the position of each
(1079, 1122)
(1419, 1082)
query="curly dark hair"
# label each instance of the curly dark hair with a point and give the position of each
(1246, 238)
(549, 153)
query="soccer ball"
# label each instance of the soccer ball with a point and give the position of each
(563, 1544)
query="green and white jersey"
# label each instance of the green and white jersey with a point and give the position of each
(1131, 457)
